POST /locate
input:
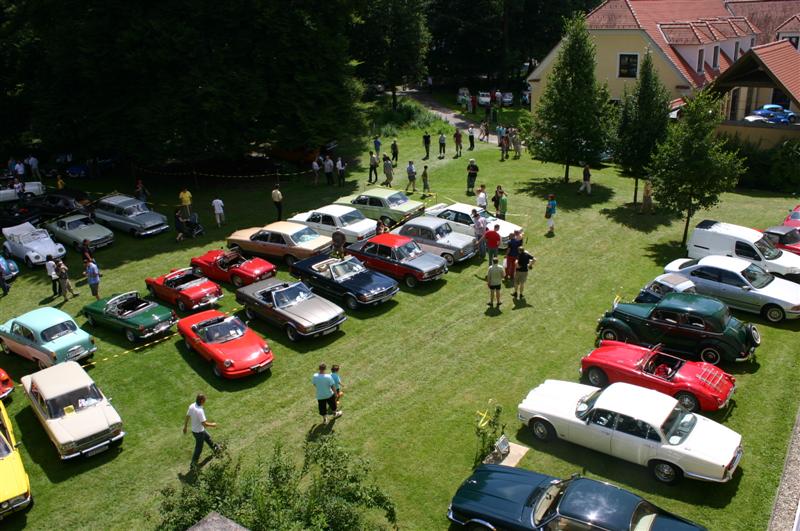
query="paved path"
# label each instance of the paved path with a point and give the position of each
(515, 454)
(462, 121)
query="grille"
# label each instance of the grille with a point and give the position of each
(93, 439)
(329, 323)
(75, 351)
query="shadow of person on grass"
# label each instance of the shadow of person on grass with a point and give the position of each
(567, 195)
(319, 430)
(192, 474)
(629, 216)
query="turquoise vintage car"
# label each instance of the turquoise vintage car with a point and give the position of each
(73, 230)
(46, 336)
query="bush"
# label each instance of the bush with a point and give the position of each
(487, 430)
(408, 115)
(775, 169)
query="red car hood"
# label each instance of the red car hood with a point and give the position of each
(617, 352)
(198, 291)
(710, 377)
(254, 268)
(792, 248)
(245, 351)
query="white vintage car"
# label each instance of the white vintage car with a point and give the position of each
(331, 218)
(30, 244)
(31, 189)
(79, 420)
(635, 424)
(460, 217)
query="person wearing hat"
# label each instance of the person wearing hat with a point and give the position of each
(550, 214)
(472, 176)
(277, 199)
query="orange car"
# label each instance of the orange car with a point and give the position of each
(282, 239)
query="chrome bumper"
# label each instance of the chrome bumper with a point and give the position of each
(5, 511)
(158, 329)
(5, 394)
(98, 446)
(207, 301)
(323, 331)
(155, 230)
(468, 255)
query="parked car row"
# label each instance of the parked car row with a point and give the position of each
(487, 98)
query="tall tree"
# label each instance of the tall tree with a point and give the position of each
(692, 166)
(391, 43)
(644, 116)
(571, 122)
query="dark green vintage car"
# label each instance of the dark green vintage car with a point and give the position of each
(683, 323)
(138, 318)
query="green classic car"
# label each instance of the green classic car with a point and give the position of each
(72, 230)
(138, 318)
(683, 323)
(384, 204)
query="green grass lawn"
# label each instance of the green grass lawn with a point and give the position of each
(416, 369)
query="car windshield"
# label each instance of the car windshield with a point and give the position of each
(687, 263)
(586, 403)
(795, 215)
(78, 223)
(443, 230)
(73, 401)
(136, 209)
(346, 268)
(39, 234)
(767, 249)
(485, 215)
(546, 503)
(304, 235)
(354, 216)
(757, 276)
(292, 295)
(397, 199)
(408, 250)
(5, 449)
(643, 517)
(791, 237)
(223, 331)
(56, 331)
(678, 425)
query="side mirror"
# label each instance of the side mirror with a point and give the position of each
(746, 288)
(18, 444)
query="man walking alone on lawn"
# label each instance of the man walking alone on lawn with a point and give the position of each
(426, 143)
(197, 416)
(277, 199)
(373, 168)
(326, 393)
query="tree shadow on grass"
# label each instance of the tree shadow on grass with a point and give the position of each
(629, 475)
(629, 216)
(566, 194)
(665, 252)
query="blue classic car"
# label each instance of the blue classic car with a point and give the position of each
(46, 336)
(512, 499)
(345, 278)
(776, 114)
(8, 268)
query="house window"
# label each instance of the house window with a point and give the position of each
(715, 59)
(701, 59)
(628, 65)
(794, 40)
(736, 50)
(752, 41)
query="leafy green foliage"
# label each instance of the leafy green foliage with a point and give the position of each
(488, 428)
(692, 167)
(643, 120)
(572, 122)
(331, 490)
(409, 114)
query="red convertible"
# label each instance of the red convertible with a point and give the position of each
(232, 267)
(234, 350)
(185, 289)
(696, 385)
(6, 384)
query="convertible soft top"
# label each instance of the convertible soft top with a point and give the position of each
(18, 230)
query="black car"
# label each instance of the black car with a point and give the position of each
(60, 202)
(508, 498)
(345, 278)
(13, 215)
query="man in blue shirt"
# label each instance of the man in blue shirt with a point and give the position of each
(326, 393)
(92, 273)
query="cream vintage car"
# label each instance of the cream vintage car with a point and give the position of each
(634, 424)
(77, 417)
(282, 239)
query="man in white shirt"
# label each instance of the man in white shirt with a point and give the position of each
(340, 166)
(219, 211)
(327, 165)
(197, 416)
(50, 267)
(33, 162)
(481, 200)
(19, 169)
(277, 198)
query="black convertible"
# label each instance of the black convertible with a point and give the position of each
(345, 278)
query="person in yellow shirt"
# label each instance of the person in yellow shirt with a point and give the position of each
(185, 198)
(60, 184)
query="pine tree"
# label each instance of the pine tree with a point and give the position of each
(692, 166)
(644, 116)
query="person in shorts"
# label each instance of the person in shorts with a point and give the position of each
(326, 393)
(525, 261)
(92, 273)
(494, 279)
(219, 211)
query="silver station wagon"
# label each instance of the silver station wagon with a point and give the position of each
(130, 215)
(435, 235)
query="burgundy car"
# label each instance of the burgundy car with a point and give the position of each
(696, 385)
(185, 289)
(232, 267)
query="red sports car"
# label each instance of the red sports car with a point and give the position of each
(233, 349)
(399, 257)
(185, 289)
(793, 219)
(6, 384)
(696, 385)
(231, 266)
(784, 237)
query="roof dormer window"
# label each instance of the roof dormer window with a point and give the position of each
(736, 50)
(715, 58)
(701, 59)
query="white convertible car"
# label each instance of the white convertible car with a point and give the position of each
(30, 244)
(635, 424)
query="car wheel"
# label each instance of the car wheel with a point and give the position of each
(689, 401)
(290, 260)
(237, 281)
(774, 314)
(76, 246)
(542, 429)
(411, 281)
(90, 320)
(449, 259)
(249, 314)
(188, 344)
(611, 334)
(351, 302)
(130, 336)
(4, 348)
(597, 377)
(181, 305)
(196, 271)
(665, 472)
(792, 119)
(6, 253)
(710, 355)
(132, 232)
(28, 263)
(234, 247)
(291, 333)
(389, 222)
(216, 371)
(755, 335)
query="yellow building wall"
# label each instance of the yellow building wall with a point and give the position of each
(762, 135)
(609, 44)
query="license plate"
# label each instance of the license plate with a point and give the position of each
(330, 330)
(96, 451)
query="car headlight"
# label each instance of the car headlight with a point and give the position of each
(796, 308)
(60, 250)
(68, 446)
(36, 256)
(228, 363)
(363, 297)
(19, 499)
(266, 349)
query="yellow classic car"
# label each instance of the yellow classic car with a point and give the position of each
(15, 488)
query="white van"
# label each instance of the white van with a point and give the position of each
(718, 238)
